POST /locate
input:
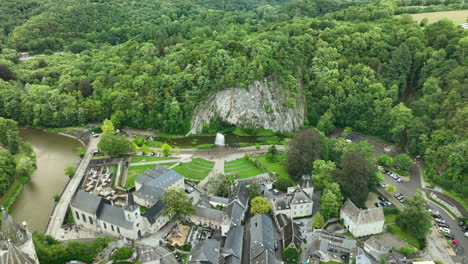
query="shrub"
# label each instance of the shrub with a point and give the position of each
(122, 254)
(283, 184)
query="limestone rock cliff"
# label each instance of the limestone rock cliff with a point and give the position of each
(262, 104)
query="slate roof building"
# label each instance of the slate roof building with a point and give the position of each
(362, 222)
(297, 202)
(16, 245)
(98, 214)
(262, 240)
(151, 184)
(205, 252)
(325, 244)
(232, 249)
(289, 231)
(238, 204)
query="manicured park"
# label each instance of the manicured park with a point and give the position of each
(197, 169)
(137, 159)
(242, 168)
(133, 172)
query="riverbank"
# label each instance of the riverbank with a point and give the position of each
(22, 175)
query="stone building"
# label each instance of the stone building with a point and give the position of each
(362, 222)
(16, 244)
(298, 200)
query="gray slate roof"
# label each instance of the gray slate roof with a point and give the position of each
(359, 216)
(153, 190)
(262, 237)
(205, 251)
(290, 231)
(86, 202)
(208, 213)
(232, 249)
(113, 215)
(241, 194)
(15, 256)
(305, 182)
(235, 212)
(12, 232)
(101, 208)
(299, 197)
(154, 212)
(218, 199)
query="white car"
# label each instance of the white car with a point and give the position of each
(383, 184)
(440, 220)
(398, 179)
(433, 211)
(466, 234)
(348, 140)
(444, 229)
(380, 167)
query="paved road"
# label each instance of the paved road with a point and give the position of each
(56, 219)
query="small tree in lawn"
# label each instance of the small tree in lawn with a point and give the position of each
(177, 204)
(385, 160)
(108, 127)
(415, 218)
(135, 147)
(404, 161)
(291, 255)
(166, 149)
(259, 205)
(319, 221)
(145, 149)
(70, 171)
(391, 189)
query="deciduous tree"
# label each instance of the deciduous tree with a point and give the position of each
(291, 255)
(259, 205)
(107, 127)
(115, 145)
(319, 221)
(304, 149)
(321, 173)
(404, 161)
(177, 204)
(166, 149)
(415, 218)
(331, 200)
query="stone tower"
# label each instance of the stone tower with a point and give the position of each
(16, 244)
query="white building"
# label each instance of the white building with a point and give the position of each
(362, 222)
(297, 202)
(16, 244)
(95, 213)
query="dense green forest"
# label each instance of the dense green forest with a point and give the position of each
(147, 64)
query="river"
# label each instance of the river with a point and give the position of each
(54, 152)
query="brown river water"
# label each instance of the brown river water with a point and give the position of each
(54, 152)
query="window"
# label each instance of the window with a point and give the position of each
(112, 227)
(105, 226)
(90, 220)
(77, 215)
(118, 230)
(84, 217)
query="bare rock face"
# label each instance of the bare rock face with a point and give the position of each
(262, 105)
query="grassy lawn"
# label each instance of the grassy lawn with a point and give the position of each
(397, 231)
(133, 172)
(136, 159)
(197, 169)
(457, 16)
(243, 168)
(390, 218)
(275, 167)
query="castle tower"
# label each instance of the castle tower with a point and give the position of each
(306, 185)
(17, 241)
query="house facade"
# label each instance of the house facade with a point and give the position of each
(362, 222)
(297, 202)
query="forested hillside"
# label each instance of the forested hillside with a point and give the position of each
(147, 64)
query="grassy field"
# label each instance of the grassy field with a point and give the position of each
(457, 16)
(390, 218)
(275, 167)
(197, 169)
(243, 168)
(136, 159)
(397, 231)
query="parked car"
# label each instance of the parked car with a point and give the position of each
(398, 179)
(396, 195)
(442, 225)
(385, 171)
(299, 223)
(388, 203)
(383, 184)
(436, 216)
(348, 140)
(377, 204)
(433, 211)
(464, 228)
(95, 135)
(449, 236)
(439, 220)
(444, 229)
(466, 234)
(402, 200)
(381, 198)
(461, 223)
(380, 167)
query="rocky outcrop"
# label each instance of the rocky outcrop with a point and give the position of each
(263, 104)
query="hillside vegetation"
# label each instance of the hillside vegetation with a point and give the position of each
(148, 64)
